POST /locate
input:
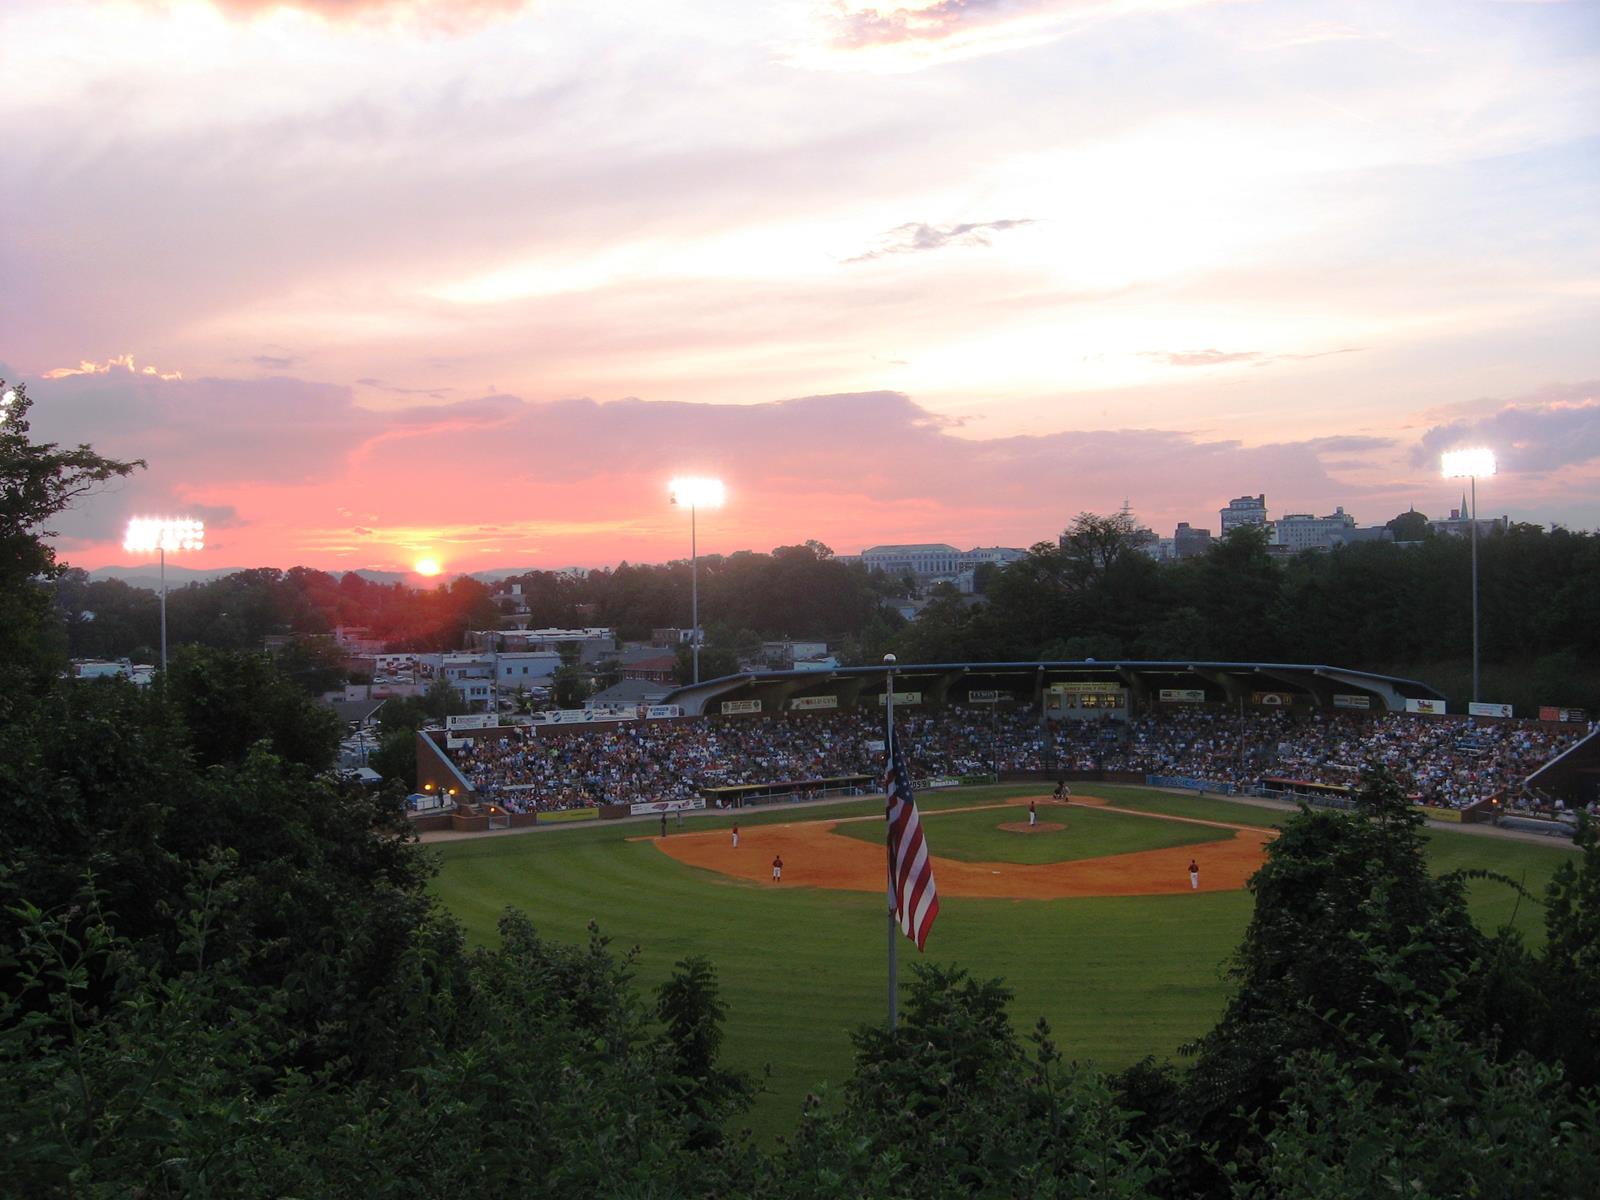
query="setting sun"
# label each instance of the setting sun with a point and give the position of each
(428, 566)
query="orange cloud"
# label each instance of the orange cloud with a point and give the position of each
(123, 362)
(451, 16)
(964, 26)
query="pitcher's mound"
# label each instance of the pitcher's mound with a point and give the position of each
(1024, 827)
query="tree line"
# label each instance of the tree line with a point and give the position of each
(1402, 609)
(794, 591)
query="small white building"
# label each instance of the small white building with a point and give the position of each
(94, 668)
(532, 668)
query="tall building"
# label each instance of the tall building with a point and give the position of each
(1302, 531)
(1188, 541)
(1245, 510)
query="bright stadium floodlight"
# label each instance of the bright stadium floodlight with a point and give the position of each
(1463, 464)
(162, 534)
(1470, 464)
(695, 492)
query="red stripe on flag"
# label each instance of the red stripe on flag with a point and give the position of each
(916, 900)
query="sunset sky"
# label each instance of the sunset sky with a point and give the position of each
(368, 281)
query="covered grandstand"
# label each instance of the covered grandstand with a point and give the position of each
(1302, 730)
(1060, 690)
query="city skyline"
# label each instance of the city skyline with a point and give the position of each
(377, 282)
(141, 570)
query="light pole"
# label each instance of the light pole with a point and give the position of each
(697, 493)
(163, 534)
(1469, 464)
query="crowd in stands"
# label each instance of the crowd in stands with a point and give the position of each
(1439, 762)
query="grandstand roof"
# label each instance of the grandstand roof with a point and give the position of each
(1233, 682)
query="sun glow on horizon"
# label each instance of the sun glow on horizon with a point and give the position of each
(428, 566)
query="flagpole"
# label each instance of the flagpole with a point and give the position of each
(888, 837)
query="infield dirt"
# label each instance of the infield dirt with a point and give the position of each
(815, 855)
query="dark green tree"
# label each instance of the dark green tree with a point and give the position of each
(38, 480)
(1439, 1114)
(692, 1013)
(715, 662)
(569, 686)
(1340, 896)
(1569, 970)
(231, 700)
(1409, 526)
(953, 1104)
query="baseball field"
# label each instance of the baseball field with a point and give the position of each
(1088, 914)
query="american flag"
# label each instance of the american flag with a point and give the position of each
(911, 891)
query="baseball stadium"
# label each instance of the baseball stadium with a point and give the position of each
(1092, 828)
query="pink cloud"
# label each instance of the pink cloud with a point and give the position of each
(1552, 429)
(875, 24)
(301, 473)
(1221, 358)
(865, 25)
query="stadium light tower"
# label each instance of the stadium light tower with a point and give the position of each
(1469, 464)
(696, 493)
(162, 534)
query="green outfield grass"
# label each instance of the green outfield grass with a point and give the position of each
(1086, 833)
(1118, 978)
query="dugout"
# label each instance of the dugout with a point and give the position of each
(1326, 795)
(1573, 775)
(740, 795)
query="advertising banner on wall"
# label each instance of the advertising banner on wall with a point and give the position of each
(731, 707)
(471, 721)
(585, 716)
(656, 806)
(1080, 687)
(981, 696)
(804, 703)
(1550, 713)
(901, 698)
(657, 712)
(573, 716)
(1475, 709)
(1343, 700)
(1426, 708)
(1183, 695)
(1272, 699)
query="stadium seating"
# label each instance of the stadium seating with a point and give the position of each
(1440, 762)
